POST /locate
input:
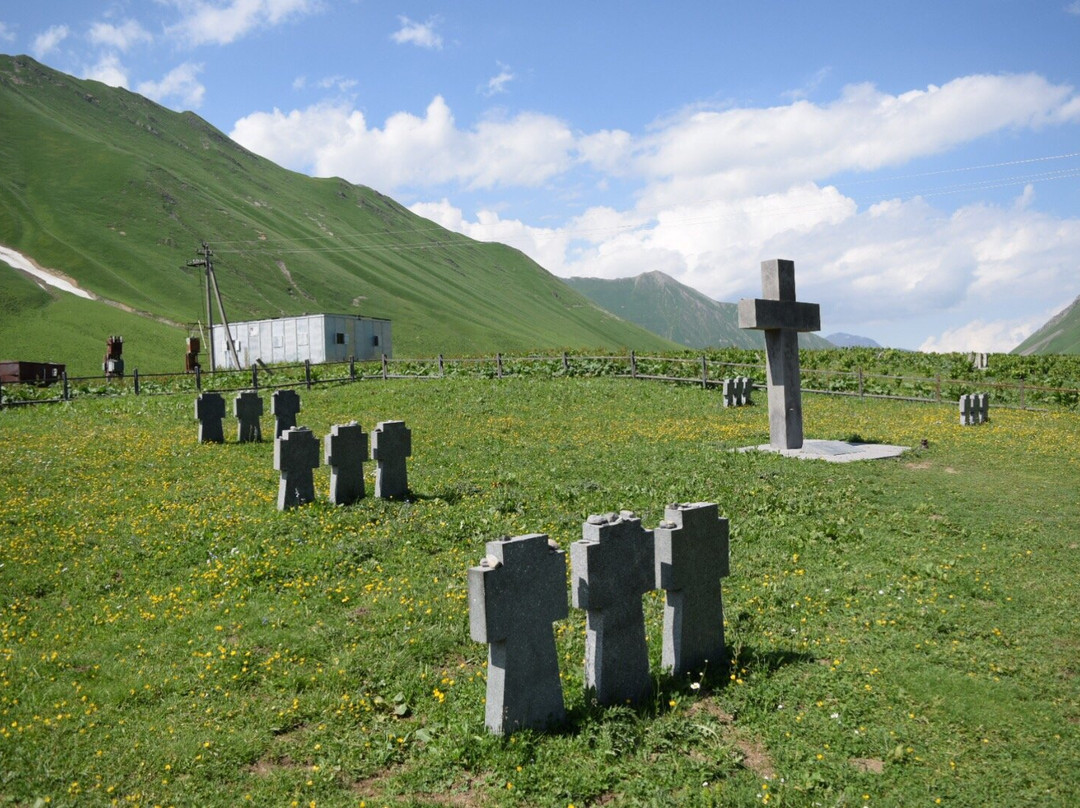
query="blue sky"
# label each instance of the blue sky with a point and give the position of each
(919, 161)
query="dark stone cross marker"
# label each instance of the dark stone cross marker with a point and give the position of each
(514, 596)
(296, 456)
(781, 317)
(345, 449)
(691, 558)
(391, 443)
(210, 410)
(284, 404)
(248, 408)
(612, 568)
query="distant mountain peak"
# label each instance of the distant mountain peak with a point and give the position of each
(667, 307)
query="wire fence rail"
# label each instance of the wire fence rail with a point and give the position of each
(703, 371)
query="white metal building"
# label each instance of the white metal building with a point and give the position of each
(314, 337)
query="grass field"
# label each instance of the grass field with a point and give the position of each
(902, 631)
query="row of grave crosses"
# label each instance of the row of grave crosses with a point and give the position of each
(738, 392)
(974, 409)
(519, 589)
(296, 456)
(296, 449)
(248, 409)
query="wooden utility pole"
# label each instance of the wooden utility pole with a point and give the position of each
(211, 283)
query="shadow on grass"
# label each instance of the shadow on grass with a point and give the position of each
(669, 690)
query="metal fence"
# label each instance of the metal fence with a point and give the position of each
(679, 370)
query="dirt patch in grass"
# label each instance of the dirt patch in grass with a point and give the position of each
(869, 765)
(756, 758)
(266, 766)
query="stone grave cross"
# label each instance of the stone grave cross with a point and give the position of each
(781, 317)
(248, 408)
(691, 558)
(345, 449)
(296, 456)
(210, 409)
(284, 404)
(612, 568)
(391, 443)
(514, 596)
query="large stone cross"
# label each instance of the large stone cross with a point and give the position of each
(612, 568)
(781, 317)
(514, 596)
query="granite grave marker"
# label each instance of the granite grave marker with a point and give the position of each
(296, 456)
(391, 443)
(691, 558)
(345, 449)
(514, 596)
(248, 409)
(210, 410)
(612, 568)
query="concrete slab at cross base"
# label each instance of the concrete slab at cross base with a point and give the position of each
(834, 451)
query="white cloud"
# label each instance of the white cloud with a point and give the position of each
(999, 336)
(747, 150)
(6, 34)
(339, 83)
(421, 34)
(1073, 8)
(205, 22)
(497, 84)
(546, 246)
(108, 70)
(48, 41)
(181, 83)
(335, 140)
(121, 37)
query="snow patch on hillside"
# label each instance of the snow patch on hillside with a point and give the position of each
(17, 260)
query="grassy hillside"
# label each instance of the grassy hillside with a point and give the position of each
(1061, 335)
(118, 192)
(661, 304)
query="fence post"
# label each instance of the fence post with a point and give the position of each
(67, 388)
(135, 376)
(565, 363)
(198, 377)
(704, 373)
(937, 388)
(498, 364)
(442, 371)
(384, 367)
(307, 373)
(860, 383)
(633, 365)
(1022, 395)
(254, 376)
(352, 368)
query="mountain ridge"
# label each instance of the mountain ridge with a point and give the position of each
(665, 306)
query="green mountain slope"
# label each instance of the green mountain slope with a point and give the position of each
(118, 192)
(661, 304)
(1060, 335)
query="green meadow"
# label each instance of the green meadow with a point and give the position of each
(902, 632)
